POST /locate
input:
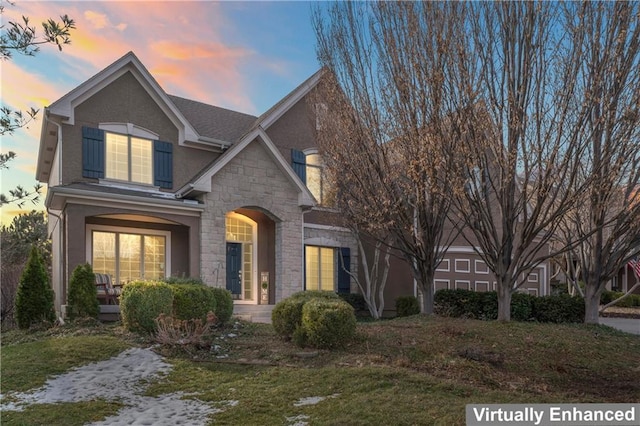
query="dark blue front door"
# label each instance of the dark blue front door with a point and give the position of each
(234, 268)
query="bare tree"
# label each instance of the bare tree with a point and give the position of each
(385, 136)
(606, 222)
(521, 154)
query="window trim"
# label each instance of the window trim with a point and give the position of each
(127, 230)
(461, 261)
(335, 266)
(129, 129)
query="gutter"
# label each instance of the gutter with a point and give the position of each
(139, 201)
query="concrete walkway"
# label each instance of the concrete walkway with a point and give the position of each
(628, 325)
(253, 313)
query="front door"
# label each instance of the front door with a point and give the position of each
(234, 269)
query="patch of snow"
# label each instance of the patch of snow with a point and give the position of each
(123, 378)
(313, 400)
(298, 420)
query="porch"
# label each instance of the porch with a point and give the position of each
(253, 313)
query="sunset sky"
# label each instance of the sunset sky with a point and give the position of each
(243, 56)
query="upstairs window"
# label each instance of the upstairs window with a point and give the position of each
(132, 157)
(129, 158)
(315, 177)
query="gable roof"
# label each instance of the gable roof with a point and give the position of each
(275, 112)
(214, 122)
(202, 182)
(65, 106)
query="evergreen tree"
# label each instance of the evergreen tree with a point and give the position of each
(34, 299)
(83, 297)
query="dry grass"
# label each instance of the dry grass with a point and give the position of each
(407, 371)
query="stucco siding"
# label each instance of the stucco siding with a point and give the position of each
(295, 129)
(126, 101)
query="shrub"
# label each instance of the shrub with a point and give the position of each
(173, 331)
(356, 300)
(182, 280)
(83, 296)
(286, 316)
(34, 297)
(224, 304)
(310, 294)
(406, 306)
(327, 323)
(142, 302)
(560, 308)
(192, 301)
(629, 302)
(460, 303)
(522, 306)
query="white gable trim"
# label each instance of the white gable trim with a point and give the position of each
(203, 183)
(292, 99)
(65, 106)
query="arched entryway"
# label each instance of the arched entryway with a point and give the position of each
(250, 256)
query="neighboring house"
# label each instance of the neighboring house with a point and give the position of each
(144, 185)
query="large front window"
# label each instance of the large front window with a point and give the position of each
(128, 256)
(129, 158)
(320, 268)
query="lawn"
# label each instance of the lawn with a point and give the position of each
(414, 370)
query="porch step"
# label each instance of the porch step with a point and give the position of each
(253, 313)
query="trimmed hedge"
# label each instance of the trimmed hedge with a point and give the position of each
(224, 304)
(524, 307)
(219, 298)
(609, 296)
(83, 296)
(191, 301)
(356, 300)
(558, 309)
(407, 306)
(183, 280)
(326, 323)
(141, 302)
(287, 314)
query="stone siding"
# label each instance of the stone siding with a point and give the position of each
(253, 180)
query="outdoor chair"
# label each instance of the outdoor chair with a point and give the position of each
(107, 292)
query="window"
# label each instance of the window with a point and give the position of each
(320, 268)
(315, 177)
(129, 158)
(128, 256)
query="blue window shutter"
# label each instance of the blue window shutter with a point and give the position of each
(92, 153)
(163, 164)
(344, 279)
(299, 164)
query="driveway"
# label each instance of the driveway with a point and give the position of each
(628, 325)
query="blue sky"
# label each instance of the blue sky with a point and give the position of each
(243, 56)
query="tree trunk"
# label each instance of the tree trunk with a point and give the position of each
(504, 302)
(425, 294)
(592, 303)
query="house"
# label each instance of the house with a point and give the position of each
(145, 185)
